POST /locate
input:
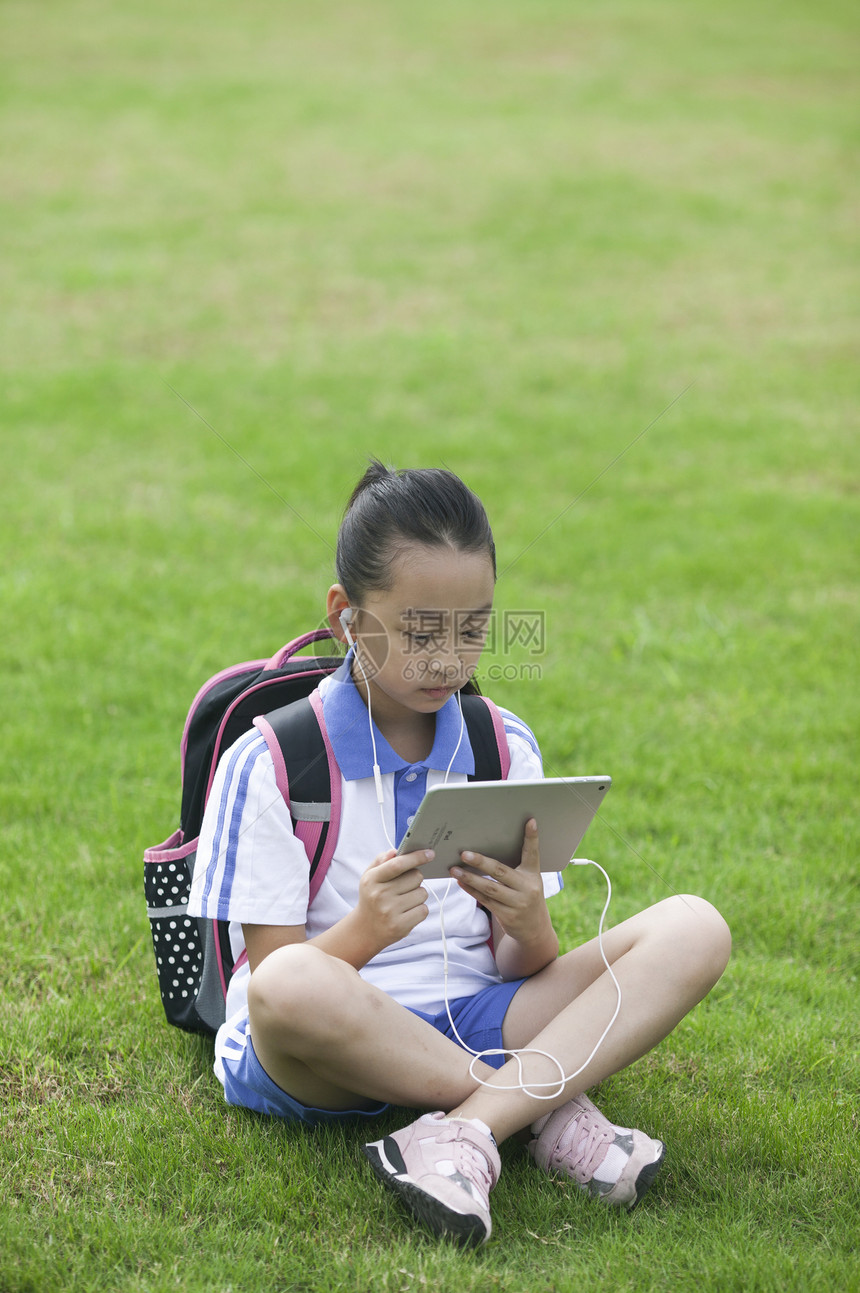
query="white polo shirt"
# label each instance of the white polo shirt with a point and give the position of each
(251, 869)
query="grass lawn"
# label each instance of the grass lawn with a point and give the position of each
(598, 257)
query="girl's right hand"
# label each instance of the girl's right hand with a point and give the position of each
(391, 899)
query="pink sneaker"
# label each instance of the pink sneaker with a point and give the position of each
(443, 1169)
(614, 1164)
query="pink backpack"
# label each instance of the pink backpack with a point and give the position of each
(193, 958)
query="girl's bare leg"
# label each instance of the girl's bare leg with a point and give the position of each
(333, 1041)
(665, 959)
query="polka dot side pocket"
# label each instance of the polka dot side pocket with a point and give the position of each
(188, 978)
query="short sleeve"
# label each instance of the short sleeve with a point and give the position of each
(526, 762)
(249, 866)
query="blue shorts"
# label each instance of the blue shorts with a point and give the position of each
(478, 1020)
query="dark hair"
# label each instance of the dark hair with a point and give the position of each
(390, 509)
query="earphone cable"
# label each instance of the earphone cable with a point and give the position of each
(377, 775)
(532, 1088)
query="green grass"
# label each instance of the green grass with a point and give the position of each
(596, 257)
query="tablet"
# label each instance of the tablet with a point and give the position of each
(489, 817)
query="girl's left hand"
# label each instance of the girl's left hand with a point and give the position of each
(514, 895)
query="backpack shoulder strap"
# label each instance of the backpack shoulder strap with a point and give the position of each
(307, 776)
(487, 736)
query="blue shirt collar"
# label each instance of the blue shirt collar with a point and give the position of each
(345, 716)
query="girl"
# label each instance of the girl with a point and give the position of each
(340, 1009)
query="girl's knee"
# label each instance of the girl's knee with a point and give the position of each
(703, 935)
(297, 985)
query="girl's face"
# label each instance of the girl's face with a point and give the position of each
(420, 641)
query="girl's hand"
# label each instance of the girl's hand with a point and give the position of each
(391, 899)
(515, 897)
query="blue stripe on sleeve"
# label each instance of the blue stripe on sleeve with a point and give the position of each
(516, 727)
(237, 758)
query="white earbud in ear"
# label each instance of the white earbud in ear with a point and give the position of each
(345, 619)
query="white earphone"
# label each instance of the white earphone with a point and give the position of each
(345, 619)
(535, 1089)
